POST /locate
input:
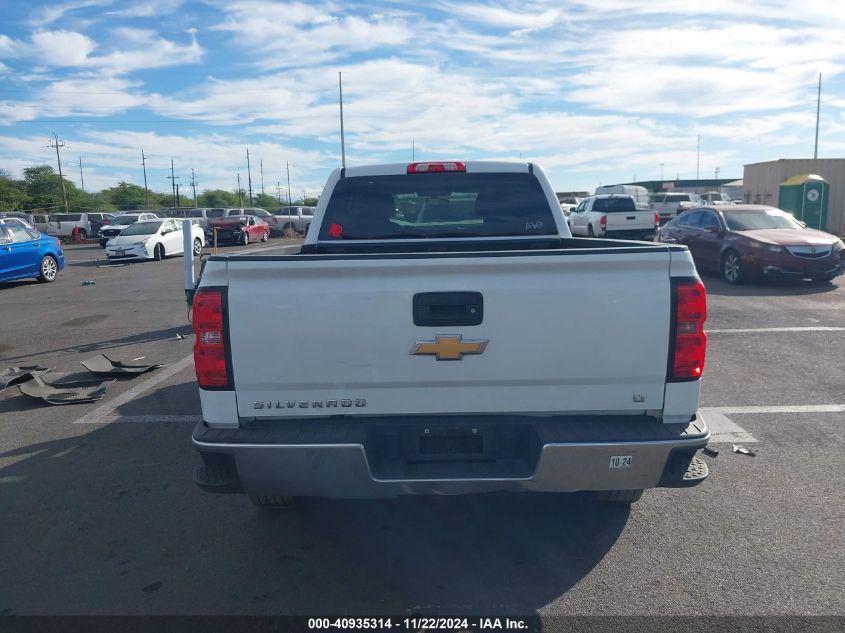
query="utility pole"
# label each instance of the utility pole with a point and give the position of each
(716, 173)
(661, 172)
(58, 143)
(818, 112)
(261, 167)
(146, 191)
(177, 195)
(249, 176)
(287, 167)
(342, 141)
(413, 151)
(194, 184)
(698, 157)
(173, 178)
(81, 177)
(279, 191)
(240, 200)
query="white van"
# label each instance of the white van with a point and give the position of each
(639, 194)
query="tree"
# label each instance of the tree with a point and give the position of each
(217, 198)
(266, 202)
(12, 194)
(126, 196)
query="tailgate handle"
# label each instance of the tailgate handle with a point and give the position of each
(445, 309)
(631, 217)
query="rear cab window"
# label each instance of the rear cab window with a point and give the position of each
(67, 217)
(437, 205)
(614, 205)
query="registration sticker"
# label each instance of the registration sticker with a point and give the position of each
(621, 461)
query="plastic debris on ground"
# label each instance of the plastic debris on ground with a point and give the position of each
(102, 365)
(16, 375)
(743, 451)
(74, 392)
(88, 282)
(712, 452)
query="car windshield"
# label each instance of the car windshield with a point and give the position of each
(142, 228)
(756, 220)
(437, 205)
(125, 219)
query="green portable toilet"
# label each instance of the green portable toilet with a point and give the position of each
(805, 196)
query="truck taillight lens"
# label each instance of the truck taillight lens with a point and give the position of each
(656, 219)
(603, 220)
(428, 168)
(690, 344)
(210, 344)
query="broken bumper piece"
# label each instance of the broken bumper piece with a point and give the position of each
(65, 393)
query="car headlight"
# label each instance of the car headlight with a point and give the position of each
(838, 246)
(772, 248)
(141, 243)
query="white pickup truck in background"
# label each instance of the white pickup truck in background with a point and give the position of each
(613, 216)
(430, 358)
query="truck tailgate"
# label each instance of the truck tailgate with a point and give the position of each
(566, 331)
(630, 221)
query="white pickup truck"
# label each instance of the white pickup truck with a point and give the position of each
(613, 216)
(429, 355)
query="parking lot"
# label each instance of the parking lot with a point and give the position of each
(100, 516)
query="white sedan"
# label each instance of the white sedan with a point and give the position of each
(153, 239)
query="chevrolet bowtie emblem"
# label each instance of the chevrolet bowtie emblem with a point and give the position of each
(449, 347)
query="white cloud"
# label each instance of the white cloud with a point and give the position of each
(148, 50)
(148, 8)
(525, 18)
(50, 13)
(61, 48)
(295, 34)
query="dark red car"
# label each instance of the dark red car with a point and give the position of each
(238, 229)
(752, 241)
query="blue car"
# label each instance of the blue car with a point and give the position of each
(25, 253)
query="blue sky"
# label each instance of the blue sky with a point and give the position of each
(596, 91)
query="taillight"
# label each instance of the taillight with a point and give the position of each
(427, 168)
(656, 219)
(210, 343)
(603, 221)
(275, 221)
(690, 344)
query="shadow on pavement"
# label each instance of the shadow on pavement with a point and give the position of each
(108, 522)
(143, 337)
(767, 288)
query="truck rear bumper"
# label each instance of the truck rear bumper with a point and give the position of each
(392, 457)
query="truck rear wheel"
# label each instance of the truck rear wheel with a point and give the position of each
(622, 497)
(276, 502)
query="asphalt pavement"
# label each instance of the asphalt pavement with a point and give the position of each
(98, 514)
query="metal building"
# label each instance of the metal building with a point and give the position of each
(761, 182)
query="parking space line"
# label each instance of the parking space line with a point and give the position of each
(788, 408)
(723, 430)
(145, 419)
(101, 415)
(754, 330)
